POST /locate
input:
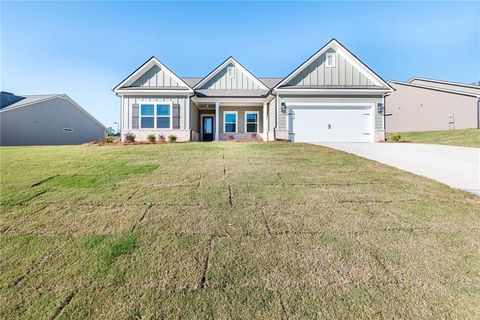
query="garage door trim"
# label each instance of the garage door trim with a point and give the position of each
(368, 106)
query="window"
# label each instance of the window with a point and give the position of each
(230, 72)
(230, 122)
(251, 121)
(155, 115)
(330, 60)
(163, 116)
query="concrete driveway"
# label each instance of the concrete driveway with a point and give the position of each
(457, 167)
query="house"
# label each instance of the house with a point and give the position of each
(422, 104)
(45, 120)
(332, 96)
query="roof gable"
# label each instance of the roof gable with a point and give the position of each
(348, 71)
(241, 79)
(448, 85)
(152, 74)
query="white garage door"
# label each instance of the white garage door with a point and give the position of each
(336, 123)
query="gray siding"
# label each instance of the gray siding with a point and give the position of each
(155, 77)
(240, 81)
(128, 101)
(343, 74)
(422, 109)
(42, 124)
(282, 117)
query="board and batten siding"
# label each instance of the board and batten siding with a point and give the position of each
(343, 74)
(128, 101)
(155, 77)
(282, 117)
(239, 81)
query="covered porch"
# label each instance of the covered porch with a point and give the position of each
(241, 119)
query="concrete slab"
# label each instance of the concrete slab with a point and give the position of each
(457, 167)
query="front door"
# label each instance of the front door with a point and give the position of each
(207, 126)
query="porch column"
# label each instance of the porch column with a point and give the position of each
(188, 124)
(265, 122)
(217, 115)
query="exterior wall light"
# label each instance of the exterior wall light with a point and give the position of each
(283, 107)
(380, 108)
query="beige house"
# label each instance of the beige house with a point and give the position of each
(427, 105)
(332, 97)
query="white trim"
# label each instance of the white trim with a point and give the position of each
(230, 72)
(234, 101)
(330, 63)
(230, 60)
(122, 92)
(155, 103)
(217, 117)
(258, 120)
(236, 120)
(202, 115)
(371, 107)
(335, 45)
(146, 66)
(331, 91)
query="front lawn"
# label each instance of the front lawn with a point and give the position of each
(230, 230)
(460, 137)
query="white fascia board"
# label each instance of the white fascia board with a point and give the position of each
(124, 92)
(222, 66)
(232, 100)
(335, 45)
(330, 91)
(150, 63)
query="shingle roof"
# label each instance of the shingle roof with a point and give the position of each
(30, 99)
(230, 93)
(269, 82)
(7, 99)
(192, 81)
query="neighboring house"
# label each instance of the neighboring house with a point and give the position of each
(428, 105)
(45, 120)
(332, 96)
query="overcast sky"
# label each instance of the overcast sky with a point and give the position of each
(84, 49)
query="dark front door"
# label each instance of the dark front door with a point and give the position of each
(208, 128)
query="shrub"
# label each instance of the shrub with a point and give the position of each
(172, 138)
(151, 138)
(395, 137)
(129, 137)
(109, 139)
(161, 138)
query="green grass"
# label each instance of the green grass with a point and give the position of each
(230, 230)
(460, 137)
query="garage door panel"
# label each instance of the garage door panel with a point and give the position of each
(330, 124)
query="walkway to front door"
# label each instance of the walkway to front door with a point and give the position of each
(207, 125)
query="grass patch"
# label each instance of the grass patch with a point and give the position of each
(230, 230)
(459, 137)
(121, 246)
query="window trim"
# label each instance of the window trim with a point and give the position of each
(236, 120)
(257, 123)
(332, 61)
(155, 103)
